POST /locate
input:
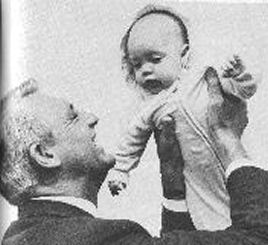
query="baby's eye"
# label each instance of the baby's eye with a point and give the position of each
(155, 59)
(74, 116)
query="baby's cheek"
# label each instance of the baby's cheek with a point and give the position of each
(137, 77)
(169, 81)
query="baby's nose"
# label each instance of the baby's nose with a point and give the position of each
(92, 120)
(147, 69)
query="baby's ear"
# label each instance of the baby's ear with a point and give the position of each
(185, 56)
(185, 50)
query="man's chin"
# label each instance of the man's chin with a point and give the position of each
(105, 159)
(105, 163)
(108, 160)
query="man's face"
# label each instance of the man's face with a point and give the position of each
(74, 134)
(155, 46)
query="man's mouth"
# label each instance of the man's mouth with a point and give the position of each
(153, 86)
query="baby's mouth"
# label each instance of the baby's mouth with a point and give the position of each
(153, 86)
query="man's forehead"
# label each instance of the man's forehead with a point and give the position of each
(157, 29)
(44, 105)
(44, 100)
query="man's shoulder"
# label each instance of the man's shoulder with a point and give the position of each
(75, 230)
(121, 231)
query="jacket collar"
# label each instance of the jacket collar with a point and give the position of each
(50, 208)
(81, 203)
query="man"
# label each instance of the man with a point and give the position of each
(52, 169)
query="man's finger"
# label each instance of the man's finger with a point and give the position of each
(213, 83)
(166, 122)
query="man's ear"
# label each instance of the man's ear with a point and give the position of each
(46, 158)
(185, 56)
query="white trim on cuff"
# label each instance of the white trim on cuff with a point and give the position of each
(175, 205)
(243, 162)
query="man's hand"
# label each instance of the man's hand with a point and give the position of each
(165, 137)
(225, 111)
(171, 160)
(227, 118)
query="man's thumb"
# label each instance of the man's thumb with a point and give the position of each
(213, 83)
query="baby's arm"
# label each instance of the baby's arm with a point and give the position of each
(236, 80)
(134, 140)
(128, 153)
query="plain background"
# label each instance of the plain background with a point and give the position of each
(72, 49)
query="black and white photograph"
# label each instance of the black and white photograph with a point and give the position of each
(134, 122)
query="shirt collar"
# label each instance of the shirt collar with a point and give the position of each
(81, 203)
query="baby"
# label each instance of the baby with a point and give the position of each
(156, 48)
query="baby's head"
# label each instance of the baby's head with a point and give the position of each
(155, 48)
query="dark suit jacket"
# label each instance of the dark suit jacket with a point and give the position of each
(51, 223)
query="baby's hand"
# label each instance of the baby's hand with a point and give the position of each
(236, 69)
(236, 80)
(116, 186)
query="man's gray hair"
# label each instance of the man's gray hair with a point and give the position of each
(19, 129)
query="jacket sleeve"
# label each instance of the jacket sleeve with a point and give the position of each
(131, 146)
(248, 187)
(130, 149)
(133, 142)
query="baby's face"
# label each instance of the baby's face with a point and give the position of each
(155, 46)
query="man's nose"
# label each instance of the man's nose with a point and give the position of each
(92, 120)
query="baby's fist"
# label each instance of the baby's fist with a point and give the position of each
(234, 68)
(236, 79)
(116, 186)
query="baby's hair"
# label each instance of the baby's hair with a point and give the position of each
(150, 9)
